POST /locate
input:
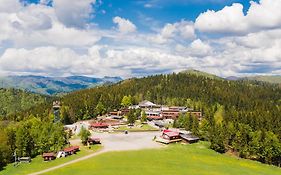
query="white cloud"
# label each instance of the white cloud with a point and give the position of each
(73, 13)
(8, 6)
(37, 39)
(263, 15)
(124, 25)
(197, 48)
(183, 30)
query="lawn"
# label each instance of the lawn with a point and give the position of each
(38, 164)
(176, 159)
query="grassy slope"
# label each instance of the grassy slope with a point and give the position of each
(269, 79)
(38, 164)
(177, 160)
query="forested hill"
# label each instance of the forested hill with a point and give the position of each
(261, 102)
(14, 101)
(242, 117)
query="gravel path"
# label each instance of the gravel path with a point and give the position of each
(115, 142)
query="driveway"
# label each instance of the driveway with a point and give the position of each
(130, 141)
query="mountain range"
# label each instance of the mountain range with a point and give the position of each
(54, 85)
(60, 85)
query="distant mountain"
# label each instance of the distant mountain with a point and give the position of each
(275, 79)
(233, 78)
(54, 85)
(200, 73)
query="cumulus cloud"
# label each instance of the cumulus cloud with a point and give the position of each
(179, 30)
(263, 15)
(9, 6)
(124, 25)
(41, 39)
(73, 13)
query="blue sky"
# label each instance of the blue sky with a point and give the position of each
(140, 37)
(160, 12)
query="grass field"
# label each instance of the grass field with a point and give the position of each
(174, 160)
(38, 164)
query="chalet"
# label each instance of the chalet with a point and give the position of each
(125, 111)
(150, 118)
(170, 135)
(117, 113)
(48, 156)
(170, 114)
(189, 138)
(117, 117)
(92, 141)
(71, 150)
(159, 124)
(148, 105)
(25, 159)
(98, 125)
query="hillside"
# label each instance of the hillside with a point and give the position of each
(14, 101)
(269, 79)
(54, 85)
(200, 73)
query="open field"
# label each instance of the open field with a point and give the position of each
(176, 159)
(38, 164)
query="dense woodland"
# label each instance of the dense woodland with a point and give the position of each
(242, 117)
(27, 127)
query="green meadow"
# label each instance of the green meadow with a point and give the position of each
(176, 159)
(38, 163)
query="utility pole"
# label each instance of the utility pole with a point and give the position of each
(15, 155)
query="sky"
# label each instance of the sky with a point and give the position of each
(135, 38)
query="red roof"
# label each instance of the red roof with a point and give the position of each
(155, 117)
(171, 134)
(72, 148)
(95, 139)
(48, 155)
(99, 125)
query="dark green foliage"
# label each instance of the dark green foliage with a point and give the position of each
(84, 135)
(30, 138)
(13, 102)
(132, 116)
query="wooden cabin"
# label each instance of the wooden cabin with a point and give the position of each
(150, 118)
(92, 141)
(189, 138)
(98, 125)
(71, 150)
(48, 156)
(170, 135)
(25, 159)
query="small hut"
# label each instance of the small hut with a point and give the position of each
(48, 156)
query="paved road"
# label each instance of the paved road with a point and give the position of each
(116, 142)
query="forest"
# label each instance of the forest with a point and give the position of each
(240, 117)
(25, 134)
